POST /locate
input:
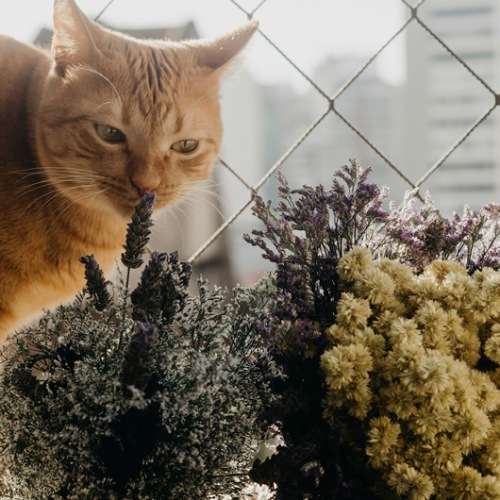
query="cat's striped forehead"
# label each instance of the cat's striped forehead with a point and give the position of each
(157, 81)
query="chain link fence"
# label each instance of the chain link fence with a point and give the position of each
(441, 23)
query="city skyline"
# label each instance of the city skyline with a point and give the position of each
(412, 124)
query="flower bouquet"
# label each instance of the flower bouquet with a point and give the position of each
(386, 325)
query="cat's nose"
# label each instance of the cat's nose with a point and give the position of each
(144, 186)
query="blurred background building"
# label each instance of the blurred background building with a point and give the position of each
(413, 103)
(444, 100)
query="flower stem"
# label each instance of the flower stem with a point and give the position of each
(124, 308)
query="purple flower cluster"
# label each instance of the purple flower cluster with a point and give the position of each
(305, 236)
(420, 235)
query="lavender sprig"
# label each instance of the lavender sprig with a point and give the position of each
(138, 232)
(162, 290)
(137, 364)
(96, 284)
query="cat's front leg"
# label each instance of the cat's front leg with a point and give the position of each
(8, 322)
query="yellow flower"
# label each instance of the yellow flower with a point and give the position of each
(353, 313)
(468, 484)
(354, 263)
(432, 320)
(490, 294)
(426, 288)
(397, 400)
(441, 270)
(382, 324)
(409, 483)
(464, 342)
(427, 375)
(470, 428)
(344, 364)
(456, 288)
(428, 421)
(401, 275)
(381, 439)
(446, 454)
(377, 287)
(492, 345)
(487, 393)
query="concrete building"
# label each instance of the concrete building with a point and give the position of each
(444, 100)
(371, 104)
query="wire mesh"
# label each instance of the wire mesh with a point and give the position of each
(414, 17)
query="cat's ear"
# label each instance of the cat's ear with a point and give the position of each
(73, 41)
(221, 51)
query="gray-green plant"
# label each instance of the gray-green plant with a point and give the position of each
(145, 394)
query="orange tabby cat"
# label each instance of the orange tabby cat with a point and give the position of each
(84, 132)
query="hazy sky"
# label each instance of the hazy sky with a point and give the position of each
(307, 30)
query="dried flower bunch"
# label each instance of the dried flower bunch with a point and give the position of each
(149, 394)
(386, 325)
(414, 359)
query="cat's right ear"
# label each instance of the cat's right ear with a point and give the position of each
(219, 53)
(73, 41)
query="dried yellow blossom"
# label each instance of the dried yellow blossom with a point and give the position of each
(428, 421)
(427, 375)
(470, 428)
(464, 342)
(338, 335)
(382, 438)
(441, 269)
(382, 324)
(409, 483)
(426, 288)
(353, 313)
(346, 374)
(492, 345)
(399, 401)
(404, 360)
(457, 288)
(490, 295)
(401, 275)
(432, 319)
(469, 484)
(487, 393)
(377, 287)
(352, 265)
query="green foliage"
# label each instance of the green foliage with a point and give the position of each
(145, 397)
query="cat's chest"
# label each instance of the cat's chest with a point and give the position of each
(58, 283)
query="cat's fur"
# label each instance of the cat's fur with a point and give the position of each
(64, 190)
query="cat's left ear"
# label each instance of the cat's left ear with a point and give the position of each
(74, 34)
(221, 52)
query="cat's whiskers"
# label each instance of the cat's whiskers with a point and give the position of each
(52, 194)
(99, 107)
(196, 203)
(105, 78)
(202, 99)
(235, 74)
(36, 171)
(69, 202)
(77, 178)
(171, 211)
(209, 187)
(212, 199)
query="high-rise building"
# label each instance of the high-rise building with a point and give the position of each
(372, 105)
(444, 100)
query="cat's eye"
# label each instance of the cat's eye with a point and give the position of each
(108, 133)
(185, 147)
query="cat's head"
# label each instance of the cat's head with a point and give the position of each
(120, 116)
